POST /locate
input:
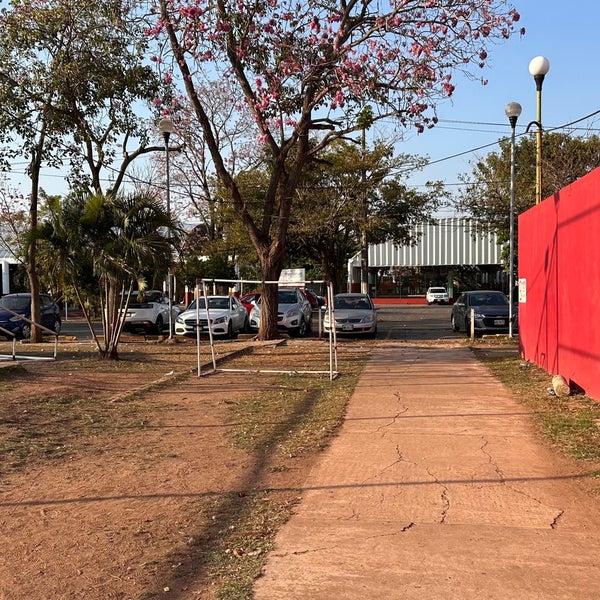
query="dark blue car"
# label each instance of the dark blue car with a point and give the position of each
(21, 305)
(490, 312)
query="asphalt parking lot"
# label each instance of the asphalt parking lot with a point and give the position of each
(395, 322)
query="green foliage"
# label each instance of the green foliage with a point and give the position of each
(350, 190)
(117, 240)
(70, 68)
(486, 196)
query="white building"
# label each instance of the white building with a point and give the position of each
(445, 246)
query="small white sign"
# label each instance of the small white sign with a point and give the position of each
(295, 276)
(523, 290)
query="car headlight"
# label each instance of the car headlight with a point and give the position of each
(367, 319)
(293, 312)
(14, 319)
(220, 320)
(479, 315)
(180, 320)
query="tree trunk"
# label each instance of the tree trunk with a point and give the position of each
(32, 275)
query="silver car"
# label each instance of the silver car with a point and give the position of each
(294, 312)
(354, 314)
(227, 317)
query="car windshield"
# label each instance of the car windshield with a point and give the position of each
(287, 297)
(495, 299)
(15, 302)
(352, 303)
(213, 304)
(437, 290)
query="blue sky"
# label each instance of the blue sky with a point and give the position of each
(567, 34)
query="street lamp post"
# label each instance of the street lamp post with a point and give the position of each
(165, 126)
(538, 67)
(512, 110)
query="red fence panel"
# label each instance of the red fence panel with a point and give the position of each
(559, 284)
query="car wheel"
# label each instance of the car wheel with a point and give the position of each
(299, 331)
(25, 331)
(57, 325)
(158, 326)
(453, 323)
(230, 331)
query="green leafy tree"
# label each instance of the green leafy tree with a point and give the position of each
(113, 238)
(353, 192)
(486, 194)
(71, 72)
(305, 71)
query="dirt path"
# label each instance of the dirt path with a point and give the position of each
(124, 514)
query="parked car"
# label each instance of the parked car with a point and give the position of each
(437, 295)
(21, 304)
(227, 315)
(491, 312)
(148, 311)
(315, 300)
(354, 314)
(249, 300)
(294, 312)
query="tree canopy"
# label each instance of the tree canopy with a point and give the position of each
(305, 71)
(486, 194)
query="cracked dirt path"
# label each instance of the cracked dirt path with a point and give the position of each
(438, 486)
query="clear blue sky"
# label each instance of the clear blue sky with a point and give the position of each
(568, 35)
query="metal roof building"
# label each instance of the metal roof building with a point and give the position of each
(447, 242)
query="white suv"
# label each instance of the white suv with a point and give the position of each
(294, 313)
(437, 295)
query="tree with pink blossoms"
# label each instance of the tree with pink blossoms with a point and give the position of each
(306, 69)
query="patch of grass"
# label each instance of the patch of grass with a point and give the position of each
(572, 423)
(52, 426)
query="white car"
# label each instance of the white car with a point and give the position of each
(148, 311)
(354, 314)
(437, 295)
(294, 312)
(227, 314)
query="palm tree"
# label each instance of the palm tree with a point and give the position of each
(110, 241)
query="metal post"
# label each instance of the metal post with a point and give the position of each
(538, 147)
(166, 128)
(513, 110)
(538, 67)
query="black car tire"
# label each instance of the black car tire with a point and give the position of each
(57, 325)
(299, 331)
(230, 332)
(454, 324)
(158, 326)
(25, 332)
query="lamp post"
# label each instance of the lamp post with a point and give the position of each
(538, 67)
(165, 126)
(513, 111)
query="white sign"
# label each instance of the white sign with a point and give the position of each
(295, 276)
(523, 290)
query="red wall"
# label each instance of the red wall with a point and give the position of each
(559, 271)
